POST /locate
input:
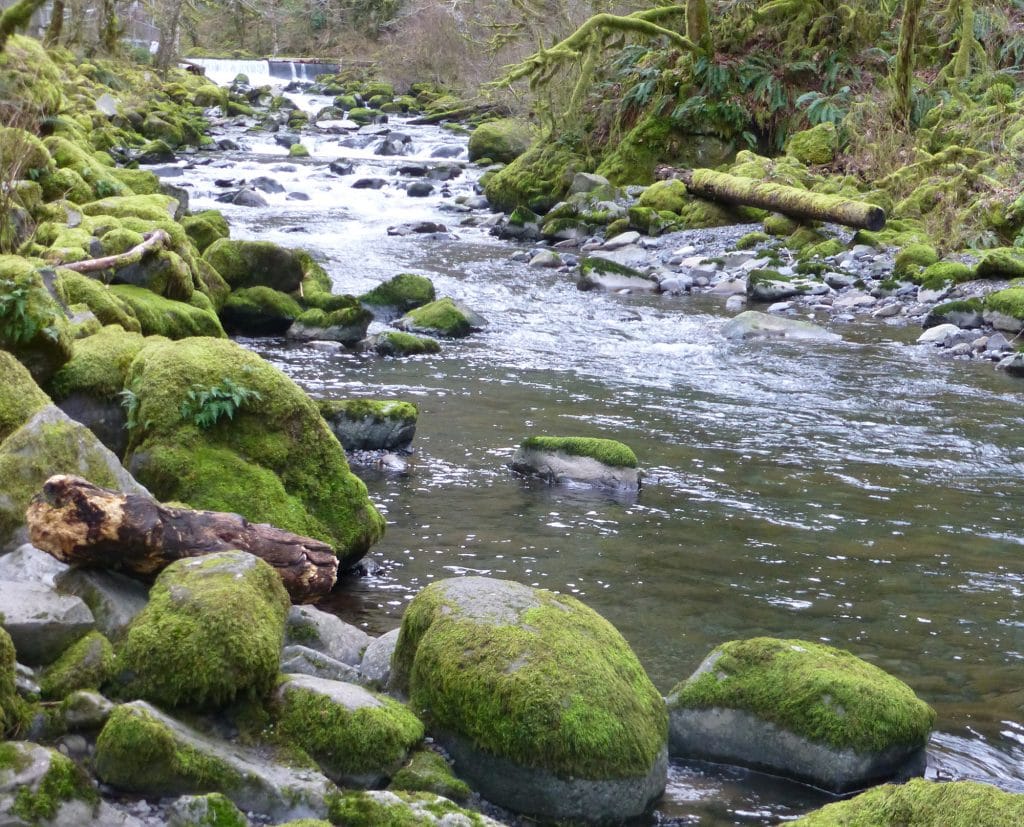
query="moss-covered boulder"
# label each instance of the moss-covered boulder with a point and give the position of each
(358, 738)
(159, 316)
(210, 810)
(802, 710)
(110, 309)
(259, 311)
(598, 272)
(428, 772)
(602, 463)
(444, 317)
(142, 750)
(85, 665)
(255, 264)
(1001, 264)
(538, 179)
(371, 424)
(206, 227)
(211, 632)
(913, 259)
(501, 140)
(668, 195)
(400, 294)
(817, 145)
(484, 661)
(33, 326)
(38, 785)
(1004, 309)
(12, 708)
(377, 808)
(396, 343)
(920, 803)
(346, 323)
(22, 397)
(156, 207)
(275, 461)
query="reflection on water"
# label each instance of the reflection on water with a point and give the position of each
(864, 493)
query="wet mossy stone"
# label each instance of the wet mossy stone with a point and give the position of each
(401, 293)
(502, 140)
(120, 240)
(211, 632)
(357, 737)
(600, 273)
(428, 772)
(156, 207)
(800, 709)
(86, 664)
(211, 810)
(38, 785)
(255, 264)
(668, 195)
(164, 274)
(12, 708)
(603, 463)
(935, 276)
(159, 316)
(1004, 309)
(1001, 264)
(371, 424)
(22, 397)
(346, 324)
(537, 179)
(206, 227)
(33, 326)
(259, 311)
(444, 317)
(388, 808)
(921, 803)
(913, 259)
(298, 151)
(817, 145)
(75, 288)
(140, 181)
(275, 462)
(539, 700)
(398, 344)
(778, 224)
(965, 314)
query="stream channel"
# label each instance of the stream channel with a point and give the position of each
(864, 493)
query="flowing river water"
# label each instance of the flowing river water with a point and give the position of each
(864, 493)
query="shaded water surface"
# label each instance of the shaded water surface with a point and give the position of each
(864, 493)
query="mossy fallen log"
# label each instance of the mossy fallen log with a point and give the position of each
(749, 192)
(153, 241)
(84, 525)
(462, 113)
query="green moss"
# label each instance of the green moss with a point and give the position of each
(670, 195)
(139, 181)
(752, 240)
(962, 306)
(1009, 302)
(298, 151)
(212, 631)
(404, 292)
(606, 451)
(921, 803)
(538, 179)
(814, 146)
(507, 689)
(96, 175)
(780, 225)
(375, 409)
(1001, 264)
(75, 288)
(64, 781)
(348, 743)
(32, 325)
(14, 712)
(156, 207)
(40, 88)
(699, 213)
(824, 249)
(85, 665)
(501, 140)
(441, 318)
(136, 752)
(255, 264)
(205, 228)
(633, 159)
(821, 693)
(22, 397)
(934, 276)
(158, 316)
(396, 343)
(211, 810)
(428, 772)
(99, 364)
(912, 259)
(261, 301)
(120, 241)
(804, 236)
(276, 462)
(394, 809)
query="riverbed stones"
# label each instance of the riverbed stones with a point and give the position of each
(39, 785)
(142, 750)
(752, 324)
(41, 622)
(539, 700)
(938, 335)
(358, 738)
(375, 666)
(225, 613)
(600, 463)
(799, 709)
(373, 808)
(113, 598)
(327, 633)
(502, 140)
(371, 424)
(923, 803)
(211, 810)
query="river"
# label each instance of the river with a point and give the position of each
(864, 493)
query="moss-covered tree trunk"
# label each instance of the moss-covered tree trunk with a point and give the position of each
(904, 73)
(110, 27)
(17, 17)
(56, 27)
(169, 25)
(698, 25)
(750, 192)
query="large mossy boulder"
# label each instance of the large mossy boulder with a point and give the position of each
(540, 701)
(259, 311)
(33, 326)
(501, 140)
(275, 461)
(74, 288)
(21, 397)
(1004, 309)
(211, 632)
(255, 264)
(602, 463)
(537, 179)
(357, 737)
(920, 803)
(346, 322)
(400, 294)
(800, 709)
(159, 316)
(445, 317)
(206, 227)
(817, 145)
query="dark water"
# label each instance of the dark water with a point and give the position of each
(864, 493)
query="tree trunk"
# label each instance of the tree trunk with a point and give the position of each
(109, 28)
(905, 54)
(16, 17)
(749, 192)
(56, 27)
(84, 525)
(698, 27)
(169, 36)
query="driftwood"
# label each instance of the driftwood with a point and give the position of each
(153, 240)
(750, 192)
(84, 525)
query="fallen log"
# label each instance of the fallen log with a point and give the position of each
(751, 192)
(153, 240)
(461, 114)
(91, 527)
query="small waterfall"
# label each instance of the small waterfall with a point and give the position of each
(222, 71)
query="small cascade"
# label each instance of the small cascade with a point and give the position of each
(222, 71)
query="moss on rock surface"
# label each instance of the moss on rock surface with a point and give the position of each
(384, 808)
(396, 343)
(817, 145)
(824, 694)
(74, 288)
(12, 708)
(606, 451)
(276, 461)
(32, 325)
(440, 318)
(21, 397)
(1009, 302)
(211, 632)
(668, 195)
(920, 803)
(913, 259)
(1001, 264)
(85, 665)
(205, 228)
(99, 364)
(538, 179)
(402, 292)
(428, 772)
(51, 780)
(259, 311)
(501, 140)
(255, 264)
(159, 316)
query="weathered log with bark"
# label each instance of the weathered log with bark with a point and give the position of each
(751, 192)
(84, 525)
(152, 241)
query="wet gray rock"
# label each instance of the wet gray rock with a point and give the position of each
(369, 184)
(341, 167)
(587, 182)
(752, 324)
(85, 711)
(375, 667)
(326, 633)
(560, 467)
(204, 811)
(104, 417)
(419, 189)
(113, 598)
(41, 622)
(28, 564)
(546, 258)
(449, 151)
(418, 227)
(248, 198)
(938, 335)
(266, 184)
(1013, 365)
(301, 660)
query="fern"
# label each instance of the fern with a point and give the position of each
(130, 403)
(821, 108)
(205, 407)
(17, 325)
(640, 95)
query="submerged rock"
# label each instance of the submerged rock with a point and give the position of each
(603, 463)
(802, 710)
(485, 661)
(444, 317)
(752, 324)
(371, 424)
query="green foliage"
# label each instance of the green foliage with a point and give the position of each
(64, 781)
(17, 324)
(205, 406)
